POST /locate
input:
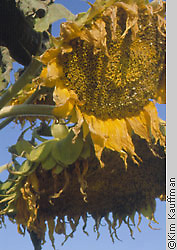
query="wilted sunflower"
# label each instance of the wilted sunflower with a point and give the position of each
(106, 68)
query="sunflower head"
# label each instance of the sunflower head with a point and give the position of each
(106, 66)
(61, 183)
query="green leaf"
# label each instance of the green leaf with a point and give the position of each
(6, 185)
(24, 169)
(40, 153)
(66, 151)
(48, 163)
(55, 12)
(12, 149)
(23, 146)
(9, 182)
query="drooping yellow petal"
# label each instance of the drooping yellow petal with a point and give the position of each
(140, 125)
(69, 31)
(146, 124)
(112, 134)
(49, 55)
(54, 70)
(61, 95)
(51, 74)
(63, 110)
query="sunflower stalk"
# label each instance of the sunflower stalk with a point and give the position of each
(28, 101)
(26, 109)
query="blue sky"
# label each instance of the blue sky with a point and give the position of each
(147, 239)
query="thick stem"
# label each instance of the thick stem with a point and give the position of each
(27, 110)
(25, 78)
(28, 101)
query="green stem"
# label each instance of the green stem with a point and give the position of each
(28, 101)
(25, 78)
(27, 110)
(10, 119)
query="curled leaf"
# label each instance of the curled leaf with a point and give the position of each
(24, 169)
(48, 163)
(40, 153)
(67, 151)
(23, 146)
